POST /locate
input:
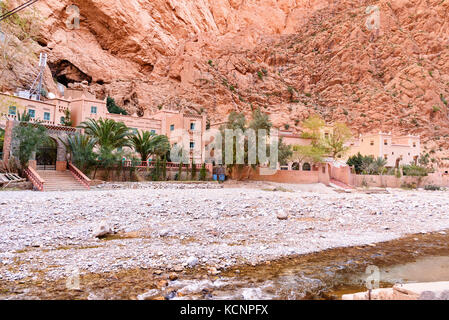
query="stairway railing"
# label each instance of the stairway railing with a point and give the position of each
(34, 177)
(81, 177)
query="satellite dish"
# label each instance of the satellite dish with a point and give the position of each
(51, 95)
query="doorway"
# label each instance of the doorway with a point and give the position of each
(46, 155)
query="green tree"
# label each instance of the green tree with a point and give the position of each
(81, 147)
(356, 161)
(179, 174)
(312, 128)
(29, 137)
(309, 153)
(109, 134)
(143, 143)
(113, 107)
(260, 121)
(336, 141)
(157, 171)
(110, 137)
(203, 172)
(193, 172)
(164, 169)
(161, 146)
(285, 152)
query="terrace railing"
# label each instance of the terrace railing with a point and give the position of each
(34, 177)
(81, 177)
(169, 165)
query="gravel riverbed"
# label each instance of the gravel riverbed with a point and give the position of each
(175, 227)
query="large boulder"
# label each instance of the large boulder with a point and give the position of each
(102, 230)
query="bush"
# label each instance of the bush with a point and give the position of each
(409, 185)
(414, 171)
(113, 107)
(359, 162)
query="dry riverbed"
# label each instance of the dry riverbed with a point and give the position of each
(178, 229)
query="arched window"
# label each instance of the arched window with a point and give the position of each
(295, 166)
(306, 167)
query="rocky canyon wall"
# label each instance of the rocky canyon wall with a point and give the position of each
(291, 58)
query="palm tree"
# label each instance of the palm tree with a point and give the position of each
(143, 143)
(379, 164)
(109, 134)
(81, 146)
(161, 146)
(147, 143)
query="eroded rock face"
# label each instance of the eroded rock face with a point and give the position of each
(289, 57)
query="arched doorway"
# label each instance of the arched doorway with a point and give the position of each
(295, 166)
(46, 155)
(306, 167)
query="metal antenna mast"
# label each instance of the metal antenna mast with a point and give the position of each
(42, 59)
(40, 77)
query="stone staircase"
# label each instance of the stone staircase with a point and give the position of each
(60, 181)
(340, 186)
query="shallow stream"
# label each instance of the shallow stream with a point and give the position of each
(322, 275)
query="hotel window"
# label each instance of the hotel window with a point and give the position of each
(192, 126)
(414, 144)
(32, 113)
(172, 127)
(93, 110)
(386, 142)
(192, 145)
(153, 131)
(47, 116)
(386, 156)
(372, 143)
(392, 153)
(12, 110)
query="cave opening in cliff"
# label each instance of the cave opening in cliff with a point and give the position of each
(66, 72)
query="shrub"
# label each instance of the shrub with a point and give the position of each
(193, 173)
(408, 186)
(113, 107)
(414, 170)
(203, 172)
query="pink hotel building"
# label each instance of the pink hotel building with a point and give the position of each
(83, 105)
